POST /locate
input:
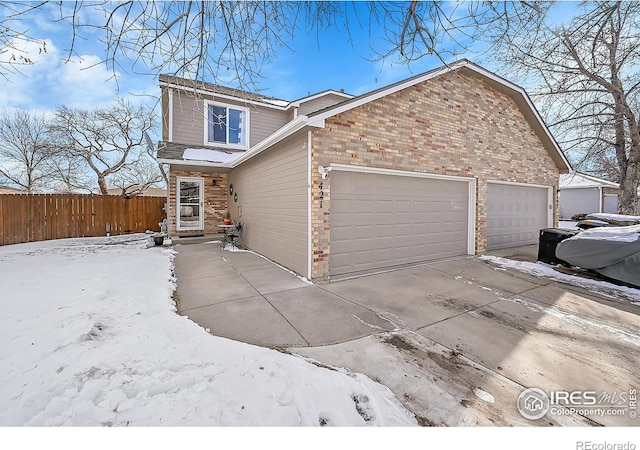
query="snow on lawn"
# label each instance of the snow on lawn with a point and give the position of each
(89, 336)
(543, 270)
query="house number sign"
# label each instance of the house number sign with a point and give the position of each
(321, 194)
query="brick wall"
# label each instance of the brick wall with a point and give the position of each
(451, 125)
(215, 200)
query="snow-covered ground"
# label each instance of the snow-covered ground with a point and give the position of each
(614, 217)
(89, 336)
(543, 270)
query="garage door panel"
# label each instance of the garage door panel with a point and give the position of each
(515, 215)
(408, 219)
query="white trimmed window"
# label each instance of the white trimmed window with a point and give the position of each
(226, 125)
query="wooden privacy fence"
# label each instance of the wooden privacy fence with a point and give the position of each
(39, 217)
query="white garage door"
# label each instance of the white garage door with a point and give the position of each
(578, 201)
(610, 204)
(515, 215)
(380, 220)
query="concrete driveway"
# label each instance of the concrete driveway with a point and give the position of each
(457, 341)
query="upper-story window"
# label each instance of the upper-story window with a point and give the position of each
(226, 125)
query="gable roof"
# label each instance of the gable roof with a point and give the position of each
(317, 119)
(221, 91)
(298, 102)
(465, 67)
(237, 94)
(578, 180)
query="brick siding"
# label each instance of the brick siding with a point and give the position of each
(450, 125)
(215, 200)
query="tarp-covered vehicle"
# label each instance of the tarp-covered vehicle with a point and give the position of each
(611, 251)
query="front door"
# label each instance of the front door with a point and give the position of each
(189, 203)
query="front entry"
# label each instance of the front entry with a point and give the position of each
(189, 204)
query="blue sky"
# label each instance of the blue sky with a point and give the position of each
(313, 63)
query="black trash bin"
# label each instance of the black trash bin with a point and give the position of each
(549, 240)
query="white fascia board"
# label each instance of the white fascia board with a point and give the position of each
(224, 96)
(295, 125)
(598, 180)
(515, 183)
(583, 186)
(297, 103)
(193, 162)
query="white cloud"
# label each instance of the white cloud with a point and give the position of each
(53, 80)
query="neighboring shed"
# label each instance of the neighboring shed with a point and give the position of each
(8, 190)
(584, 194)
(138, 190)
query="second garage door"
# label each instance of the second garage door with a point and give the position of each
(515, 215)
(380, 221)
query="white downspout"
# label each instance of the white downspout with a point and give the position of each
(170, 131)
(309, 206)
(601, 199)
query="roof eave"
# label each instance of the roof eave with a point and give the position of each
(287, 130)
(194, 162)
(222, 95)
(516, 92)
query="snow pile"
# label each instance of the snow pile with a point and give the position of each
(614, 217)
(215, 156)
(543, 270)
(614, 234)
(90, 337)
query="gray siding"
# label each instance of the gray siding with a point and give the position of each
(188, 119)
(272, 192)
(264, 122)
(380, 221)
(319, 103)
(579, 201)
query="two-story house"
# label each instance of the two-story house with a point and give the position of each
(451, 162)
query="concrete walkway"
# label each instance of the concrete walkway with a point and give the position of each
(245, 297)
(460, 331)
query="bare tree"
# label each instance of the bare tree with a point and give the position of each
(228, 42)
(590, 78)
(25, 149)
(68, 173)
(135, 179)
(108, 139)
(14, 34)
